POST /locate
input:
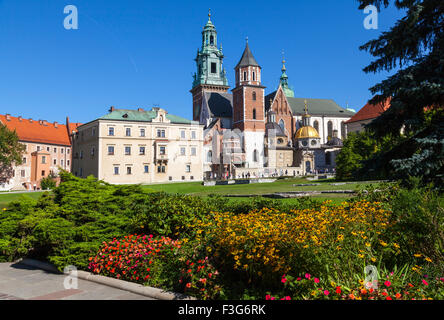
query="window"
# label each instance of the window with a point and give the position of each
(128, 132)
(161, 169)
(81, 172)
(330, 129)
(127, 151)
(24, 160)
(213, 67)
(128, 170)
(245, 76)
(116, 170)
(142, 151)
(55, 162)
(282, 125)
(254, 78)
(313, 142)
(255, 156)
(93, 151)
(47, 149)
(61, 163)
(209, 156)
(146, 168)
(38, 148)
(61, 150)
(43, 173)
(211, 40)
(193, 134)
(254, 95)
(55, 150)
(193, 151)
(111, 131)
(67, 163)
(188, 168)
(316, 125)
(110, 150)
(162, 150)
(43, 159)
(23, 173)
(182, 151)
(160, 133)
(67, 151)
(327, 158)
(254, 114)
(142, 132)
(93, 131)
(182, 134)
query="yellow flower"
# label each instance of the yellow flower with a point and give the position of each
(417, 255)
(428, 259)
(373, 259)
(384, 244)
(368, 244)
(340, 237)
(396, 245)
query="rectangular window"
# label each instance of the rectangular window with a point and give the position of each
(182, 151)
(162, 150)
(142, 132)
(161, 169)
(24, 160)
(23, 173)
(116, 170)
(182, 134)
(67, 163)
(111, 131)
(43, 173)
(193, 134)
(160, 133)
(213, 67)
(128, 132)
(47, 149)
(55, 162)
(38, 148)
(55, 150)
(146, 168)
(67, 151)
(128, 170)
(188, 168)
(61, 150)
(127, 151)
(142, 151)
(61, 163)
(193, 151)
(110, 150)
(43, 159)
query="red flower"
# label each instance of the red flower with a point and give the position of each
(387, 283)
(388, 298)
(188, 285)
(316, 280)
(338, 290)
(425, 282)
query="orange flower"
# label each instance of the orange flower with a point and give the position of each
(363, 291)
(398, 295)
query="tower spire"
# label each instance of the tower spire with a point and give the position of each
(284, 78)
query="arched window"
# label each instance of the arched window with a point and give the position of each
(316, 125)
(255, 156)
(282, 125)
(245, 76)
(330, 129)
(254, 92)
(254, 114)
(343, 131)
(212, 40)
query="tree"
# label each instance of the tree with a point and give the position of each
(11, 151)
(415, 48)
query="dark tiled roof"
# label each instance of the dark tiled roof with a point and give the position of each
(247, 59)
(220, 104)
(277, 129)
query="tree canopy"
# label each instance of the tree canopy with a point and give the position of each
(11, 151)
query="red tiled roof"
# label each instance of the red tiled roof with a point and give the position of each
(370, 111)
(39, 131)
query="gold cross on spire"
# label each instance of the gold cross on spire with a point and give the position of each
(209, 13)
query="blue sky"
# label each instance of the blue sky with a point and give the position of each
(140, 53)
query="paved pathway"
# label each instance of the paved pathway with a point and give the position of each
(18, 282)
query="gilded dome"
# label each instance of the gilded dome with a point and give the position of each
(307, 132)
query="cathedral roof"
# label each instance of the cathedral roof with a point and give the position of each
(247, 59)
(325, 107)
(219, 104)
(370, 111)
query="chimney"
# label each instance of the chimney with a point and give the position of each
(56, 125)
(140, 109)
(30, 120)
(19, 118)
(8, 117)
(111, 109)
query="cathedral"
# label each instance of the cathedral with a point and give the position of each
(251, 134)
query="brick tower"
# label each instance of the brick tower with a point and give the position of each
(249, 108)
(210, 75)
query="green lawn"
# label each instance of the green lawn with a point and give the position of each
(6, 198)
(196, 188)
